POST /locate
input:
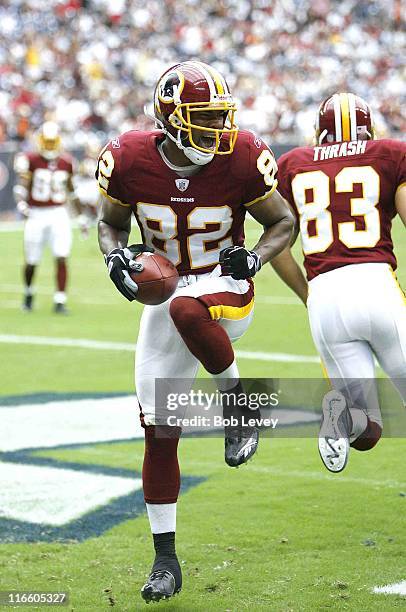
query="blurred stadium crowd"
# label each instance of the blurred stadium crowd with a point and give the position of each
(91, 65)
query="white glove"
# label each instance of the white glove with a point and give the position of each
(23, 208)
(83, 225)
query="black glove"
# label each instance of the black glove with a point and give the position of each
(239, 263)
(122, 261)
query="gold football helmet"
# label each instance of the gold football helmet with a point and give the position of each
(49, 140)
(183, 91)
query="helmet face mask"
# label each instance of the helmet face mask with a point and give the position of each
(49, 140)
(183, 93)
(343, 117)
(182, 118)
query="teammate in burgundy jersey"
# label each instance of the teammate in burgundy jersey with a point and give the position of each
(43, 189)
(189, 186)
(320, 183)
(345, 192)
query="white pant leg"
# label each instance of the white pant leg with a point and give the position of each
(35, 236)
(388, 333)
(60, 232)
(340, 321)
(160, 354)
(349, 365)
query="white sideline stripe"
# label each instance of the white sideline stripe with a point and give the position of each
(126, 346)
(282, 357)
(72, 342)
(12, 226)
(322, 475)
(398, 588)
(283, 300)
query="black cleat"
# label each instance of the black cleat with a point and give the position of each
(241, 432)
(240, 444)
(60, 308)
(27, 304)
(164, 581)
(160, 585)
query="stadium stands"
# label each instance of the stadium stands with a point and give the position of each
(91, 64)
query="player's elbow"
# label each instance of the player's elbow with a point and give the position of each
(287, 227)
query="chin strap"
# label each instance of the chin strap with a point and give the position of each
(196, 157)
(50, 155)
(322, 135)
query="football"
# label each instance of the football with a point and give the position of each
(157, 281)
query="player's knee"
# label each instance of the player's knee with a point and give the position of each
(369, 438)
(185, 311)
(162, 440)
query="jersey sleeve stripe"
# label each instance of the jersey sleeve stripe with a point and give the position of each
(114, 200)
(263, 197)
(400, 185)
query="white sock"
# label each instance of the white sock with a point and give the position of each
(228, 379)
(28, 290)
(162, 517)
(359, 423)
(60, 297)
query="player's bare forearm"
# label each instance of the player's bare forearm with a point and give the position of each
(114, 226)
(74, 200)
(287, 268)
(111, 238)
(278, 221)
(274, 239)
(76, 204)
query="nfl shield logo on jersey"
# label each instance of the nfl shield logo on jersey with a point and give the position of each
(182, 184)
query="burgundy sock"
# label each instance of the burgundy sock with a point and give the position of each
(61, 274)
(368, 438)
(160, 470)
(28, 274)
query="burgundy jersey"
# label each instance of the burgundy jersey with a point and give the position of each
(343, 195)
(189, 220)
(48, 179)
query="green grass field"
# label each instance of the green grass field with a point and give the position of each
(279, 534)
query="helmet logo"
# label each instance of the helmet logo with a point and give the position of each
(170, 87)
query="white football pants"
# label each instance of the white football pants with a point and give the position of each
(47, 225)
(357, 312)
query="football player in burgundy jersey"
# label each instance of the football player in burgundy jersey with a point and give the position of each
(189, 185)
(43, 189)
(345, 192)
